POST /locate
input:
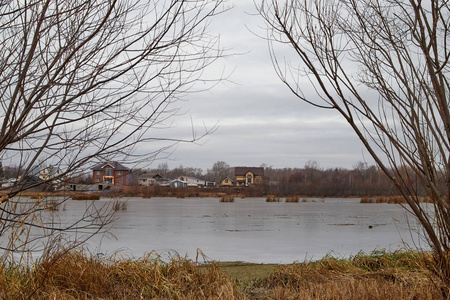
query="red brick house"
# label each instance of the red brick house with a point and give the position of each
(111, 173)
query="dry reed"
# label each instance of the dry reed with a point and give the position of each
(119, 205)
(52, 205)
(227, 199)
(382, 275)
(293, 199)
(81, 276)
(86, 197)
(391, 199)
(272, 198)
(77, 275)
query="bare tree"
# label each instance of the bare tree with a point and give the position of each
(383, 65)
(84, 81)
(219, 171)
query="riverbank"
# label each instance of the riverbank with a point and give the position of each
(381, 275)
(227, 194)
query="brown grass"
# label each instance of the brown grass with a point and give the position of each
(391, 199)
(86, 197)
(293, 199)
(80, 276)
(227, 199)
(377, 276)
(272, 198)
(77, 275)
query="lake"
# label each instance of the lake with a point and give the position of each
(251, 229)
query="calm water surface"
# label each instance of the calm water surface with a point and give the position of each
(250, 229)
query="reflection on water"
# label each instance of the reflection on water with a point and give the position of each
(250, 229)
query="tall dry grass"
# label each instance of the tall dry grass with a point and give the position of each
(81, 276)
(77, 275)
(380, 275)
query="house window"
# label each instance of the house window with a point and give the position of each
(226, 180)
(119, 172)
(108, 172)
(98, 179)
(257, 180)
(98, 172)
(249, 178)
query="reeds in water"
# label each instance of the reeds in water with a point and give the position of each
(119, 205)
(391, 200)
(52, 205)
(86, 197)
(272, 198)
(293, 199)
(227, 199)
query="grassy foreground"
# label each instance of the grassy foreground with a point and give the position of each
(381, 275)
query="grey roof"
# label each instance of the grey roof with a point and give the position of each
(115, 165)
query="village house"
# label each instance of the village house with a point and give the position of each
(50, 173)
(248, 176)
(227, 181)
(111, 173)
(185, 181)
(147, 179)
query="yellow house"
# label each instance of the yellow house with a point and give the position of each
(227, 181)
(248, 176)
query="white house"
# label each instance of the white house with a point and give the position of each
(46, 173)
(185, 181)
(147, 179)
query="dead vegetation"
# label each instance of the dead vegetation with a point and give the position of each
(381, 275)
(77, 275)
(293, 199)
(119, 204)
(391, 200)
(86, 197)
(273, 198)
(81, 276)
(227, 199)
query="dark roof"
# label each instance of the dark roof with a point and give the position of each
(241, 171)
(227, 178)
(115, 165)
(150, 175)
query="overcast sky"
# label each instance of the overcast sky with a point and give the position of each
(259, 120)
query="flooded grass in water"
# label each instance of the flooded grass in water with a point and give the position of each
(86, 197)
(390, 200)
(273, 198)
(227, 199)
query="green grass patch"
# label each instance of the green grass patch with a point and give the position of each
(246, 272)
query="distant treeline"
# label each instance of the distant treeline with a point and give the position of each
(333, 182)
(311, 180)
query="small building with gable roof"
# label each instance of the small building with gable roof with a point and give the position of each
(248, 176)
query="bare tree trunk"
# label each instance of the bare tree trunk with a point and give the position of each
(86, 81)
(383, 65)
